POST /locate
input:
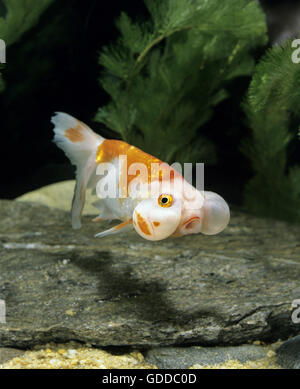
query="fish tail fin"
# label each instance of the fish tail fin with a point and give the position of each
(80, 145)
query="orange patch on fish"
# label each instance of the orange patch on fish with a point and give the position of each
(142, 224)
(156, 224)
(74, 134)
(111, 148)
(121, 225)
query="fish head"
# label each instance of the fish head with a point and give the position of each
(157, 218)
(180, 211)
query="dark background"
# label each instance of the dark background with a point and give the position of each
(54, 67)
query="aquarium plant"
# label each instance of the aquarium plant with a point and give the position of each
(166, 74)
(17, 17)
(272, 107)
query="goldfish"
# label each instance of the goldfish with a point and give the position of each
(146, 194)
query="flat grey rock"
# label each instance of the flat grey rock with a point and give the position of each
(185, 357)
(288, 354)
(61, 284)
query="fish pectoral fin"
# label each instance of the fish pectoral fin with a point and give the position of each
(116, 229)
(98, 219)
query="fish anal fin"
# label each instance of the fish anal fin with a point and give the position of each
(116, 229)
(98, 219)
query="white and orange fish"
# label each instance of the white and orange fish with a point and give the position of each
(175, 209)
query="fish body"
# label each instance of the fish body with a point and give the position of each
(143, 192)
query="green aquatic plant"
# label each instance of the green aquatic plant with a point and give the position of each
(17, 17)
(165, 75)
(273, 111)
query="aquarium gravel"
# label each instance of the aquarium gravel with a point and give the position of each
(76, 356)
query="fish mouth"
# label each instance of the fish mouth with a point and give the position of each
(192, 222)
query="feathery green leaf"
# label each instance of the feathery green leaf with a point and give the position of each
(273, 98)
(165, 75)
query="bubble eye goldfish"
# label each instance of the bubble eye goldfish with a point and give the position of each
(175, 209)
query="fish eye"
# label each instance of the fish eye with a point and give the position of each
(165, 200)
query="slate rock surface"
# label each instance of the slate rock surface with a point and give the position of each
(61, 285)
(288, 354)
(185, 357)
